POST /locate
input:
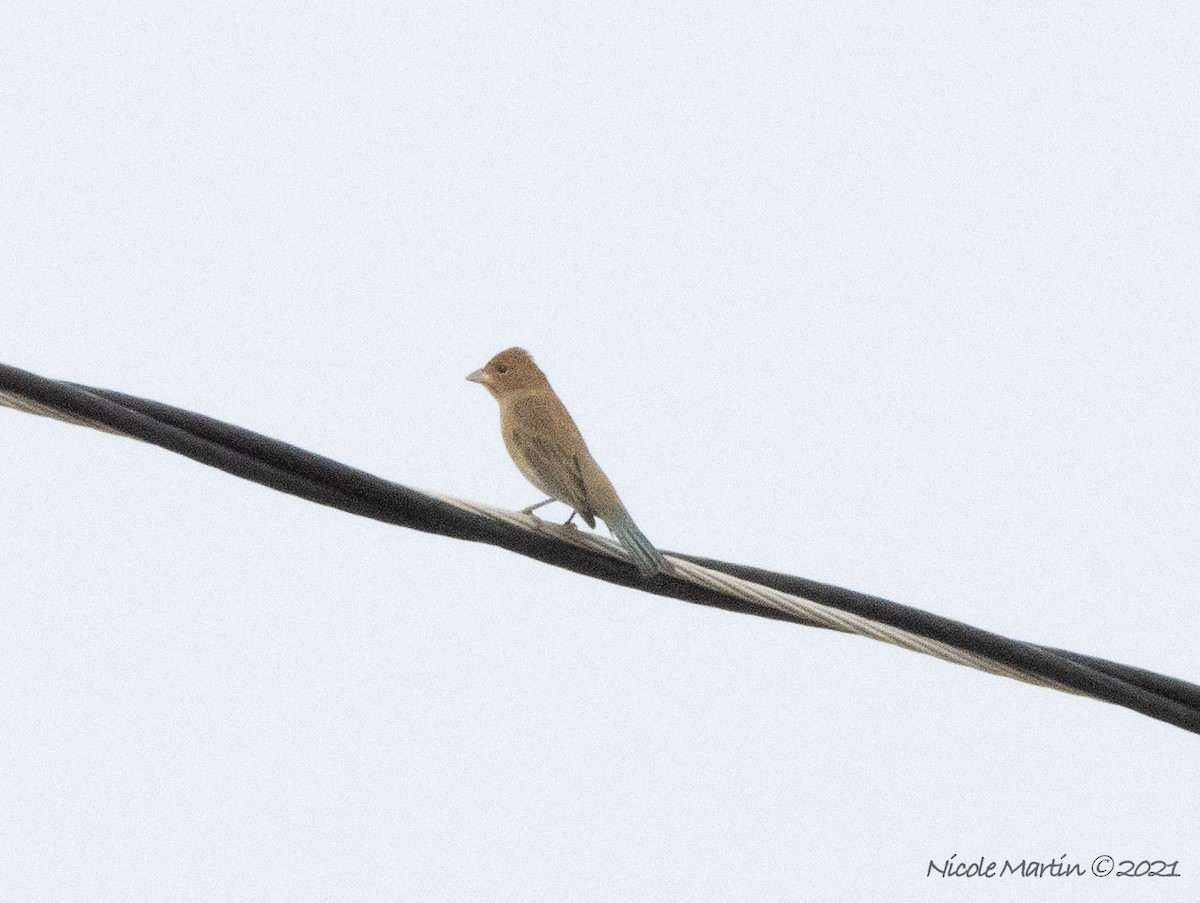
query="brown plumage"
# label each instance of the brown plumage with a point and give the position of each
(547, 448)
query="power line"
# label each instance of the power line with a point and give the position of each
(703, 581)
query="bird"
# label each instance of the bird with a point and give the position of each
(549, 450)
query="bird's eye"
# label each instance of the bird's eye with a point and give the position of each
(501, 368)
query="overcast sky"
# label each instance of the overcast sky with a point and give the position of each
(900, 297)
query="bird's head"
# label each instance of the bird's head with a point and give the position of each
(509, 371)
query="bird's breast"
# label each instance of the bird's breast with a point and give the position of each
(514, 444)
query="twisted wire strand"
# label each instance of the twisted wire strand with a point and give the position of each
(804, 611)
(734, 587)
(29, 406)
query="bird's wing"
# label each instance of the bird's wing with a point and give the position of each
(557, 468)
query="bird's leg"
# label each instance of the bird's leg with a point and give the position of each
(567, 522)
(533, 508)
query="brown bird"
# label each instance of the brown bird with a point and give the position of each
(547, 448)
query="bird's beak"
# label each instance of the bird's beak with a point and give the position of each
(481, 377)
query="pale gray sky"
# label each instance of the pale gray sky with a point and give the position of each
(901, 298)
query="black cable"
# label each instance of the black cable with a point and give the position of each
(293, 470)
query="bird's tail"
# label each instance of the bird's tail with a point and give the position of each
(647, 558)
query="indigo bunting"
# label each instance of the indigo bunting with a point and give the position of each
(546, 446)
